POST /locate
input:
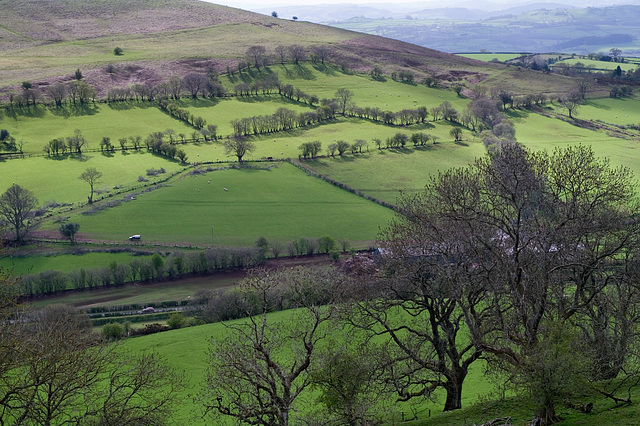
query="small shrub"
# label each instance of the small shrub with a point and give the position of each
(176, 320)
(112, 331)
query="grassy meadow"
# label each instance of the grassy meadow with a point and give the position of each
(618, 111)
(279, 203)
(37, 125)
(22, 265)
(385, 173)
(598, 65)
(59, 178)
(186, 350)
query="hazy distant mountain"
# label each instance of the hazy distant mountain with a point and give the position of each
(461, 9)
(534, 27)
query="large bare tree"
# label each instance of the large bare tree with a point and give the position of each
(259, 369)
(518, 247)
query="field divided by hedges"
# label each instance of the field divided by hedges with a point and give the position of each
(281, 203)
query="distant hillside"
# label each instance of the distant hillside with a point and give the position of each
(532, 28)
(44, 41)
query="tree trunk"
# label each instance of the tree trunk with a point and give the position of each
(453, 387)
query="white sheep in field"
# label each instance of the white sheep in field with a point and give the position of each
(225, 189)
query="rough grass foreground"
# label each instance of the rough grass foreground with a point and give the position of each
(186, 350)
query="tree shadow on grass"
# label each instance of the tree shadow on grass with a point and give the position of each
(517, 114)
(31, 111)
(75, 110)
(62, 157)
(300, 71)
(325, 69)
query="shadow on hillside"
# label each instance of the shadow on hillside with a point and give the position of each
(300, 71)
(201, 102)
(75, 110)
(517, 115)
(598, 106)
(325, 69)
(127, 105)
(61, 157)
(31, 111)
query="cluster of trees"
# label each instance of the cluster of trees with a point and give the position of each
(281, 120)
(8, 142)
(529, 261)
(620, 91)
(77, 92)
(399, 140)
(304, 246)
(403, 76)
(55, 370)
(549, 239)
(157, 267)
(73, 144)
(262, 372)
(182, 114)
(155, 143)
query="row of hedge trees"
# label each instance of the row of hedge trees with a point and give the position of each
(157, 267)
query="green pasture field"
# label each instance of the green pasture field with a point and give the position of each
(618, 111)
(187, 350)
(409, 169)
(141, 293)
(488, 57)
(602, 65)
(385, 173)
(59, 178)
(34, 264)
(539, 132)
(37, 125)
(280, 203)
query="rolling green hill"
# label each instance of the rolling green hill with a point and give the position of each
(46, 41)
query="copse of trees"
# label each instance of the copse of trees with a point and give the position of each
(310, 149)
